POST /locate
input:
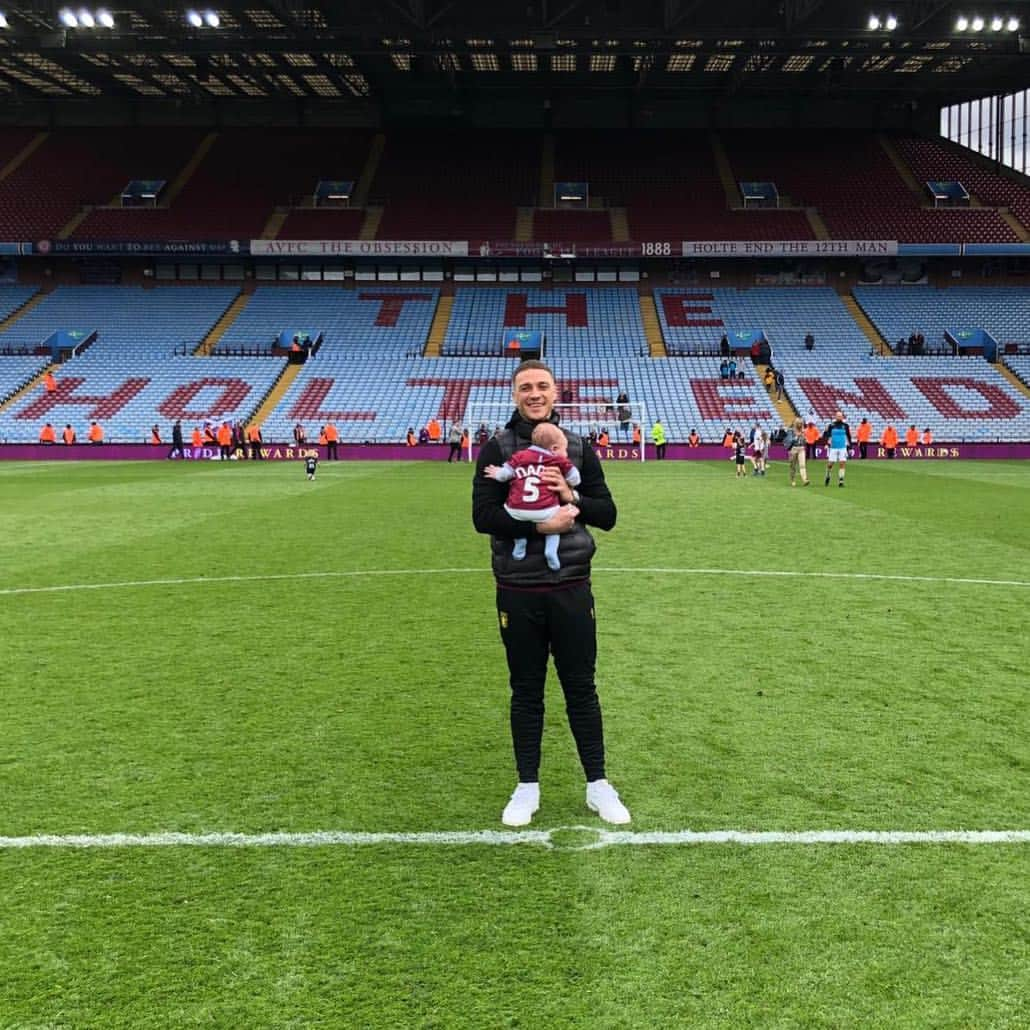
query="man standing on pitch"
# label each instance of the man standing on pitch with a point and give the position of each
(837, 439)
(543, 611)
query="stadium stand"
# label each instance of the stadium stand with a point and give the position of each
(16, 371)
(694, 320)
(1019, 364)
(131, 321)
(322, 224)
(75, 168)
(584, 226)
(12, 298)
(857, 190)
(128, 398)
(370, 323)
(932, 159)
(238, 185)
(455, 186)
(897, 311)
(377, 401)
(671, 187)
(577, 322)
(958, 398)
(12, 142)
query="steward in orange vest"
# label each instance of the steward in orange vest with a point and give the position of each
(197, 438)
(636, 435)
(332, 437)
(927, 437)
(47, 434)
(602, 440)
(863, 434)
(410, 439)
(49, 382)
(911, 436)
(254, 438)
(68, 436)
(224, 437)
(694, 440)
(433, 428)
(727, 440)
(96, 433)
(889, 440)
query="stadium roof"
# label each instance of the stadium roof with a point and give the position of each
(368, 51)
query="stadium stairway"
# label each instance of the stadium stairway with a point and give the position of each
(524, 224)
(620, 224)
(176, 186)
(726, 176)
(547, 172)
(1014, 224)
(652, 327)
(231, 313)
(1013, 378)
(879, 344)
(902, 168)
(368, 173)
(25, 308)
(274, 223)
(74, 222)
(784, 408)
(815, 220)
(23, 155)
(438, 329)
(370, 226)
(275, 394)
(35, 383)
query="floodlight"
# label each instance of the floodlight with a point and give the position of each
(3, 20)
(1012, 25)
(106, 18)
(891, 23)
(977, 24)
(962, 24)
(86, 19)
(874, 23)
(68, 18)
(212, 20)
(195, 19)
(996, 24)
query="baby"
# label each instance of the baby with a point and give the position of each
(530, 499)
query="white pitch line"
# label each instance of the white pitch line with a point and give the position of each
(483, 571)
(789, 574)
(502, 838)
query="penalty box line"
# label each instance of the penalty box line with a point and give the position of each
(582, 838)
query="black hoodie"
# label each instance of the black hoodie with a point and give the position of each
(488, 515)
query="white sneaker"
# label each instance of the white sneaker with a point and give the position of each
(603, 799)
(525, 801)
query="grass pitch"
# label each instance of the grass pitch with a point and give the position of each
(880, 685)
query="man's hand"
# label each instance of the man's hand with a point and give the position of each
(563, 522)
(553, 478)
(491, 471)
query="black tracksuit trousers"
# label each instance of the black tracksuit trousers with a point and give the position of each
(534, 624)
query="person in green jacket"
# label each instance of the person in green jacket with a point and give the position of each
(658, 436)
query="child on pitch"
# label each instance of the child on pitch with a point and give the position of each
(310, 465)
(530, 499)
(740, 454)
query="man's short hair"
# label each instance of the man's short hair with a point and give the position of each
(528, 366)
